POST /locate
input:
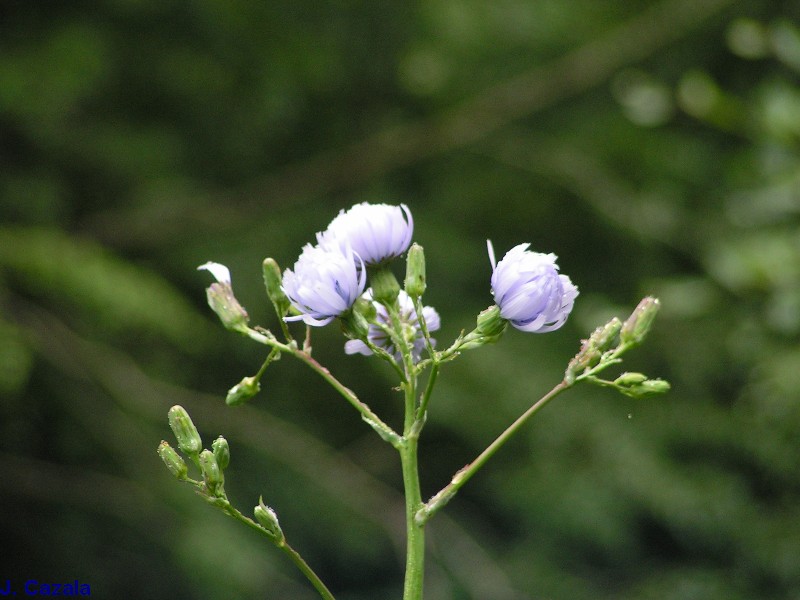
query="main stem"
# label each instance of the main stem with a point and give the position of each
(415, 534)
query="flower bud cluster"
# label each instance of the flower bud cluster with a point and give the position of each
(602, 340)
(211, 463)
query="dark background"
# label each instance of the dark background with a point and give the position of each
(653, 146)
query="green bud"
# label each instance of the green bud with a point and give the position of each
(603, 337)
(212, 474)
(592, 349)
(242, 391)
(224, 303)
(490, 328)
(490, 323)
(273, 281)
(267, 518)
(222, 452)
(656, 386)
(384, 285)
(172, 460)
(630, 379)
(415, 271)
(355, 322)
(185, 432)
(637, 385)
(636, 327)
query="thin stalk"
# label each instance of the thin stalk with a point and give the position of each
(347, 393)
(446, 494)
(426, 395)
(415, 534)
(293, 555)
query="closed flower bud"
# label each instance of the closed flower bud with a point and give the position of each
(172, 460)
(636, 327)
(630, 379)
(273, 282)
(222, 452)
(221, 299)
(601, 340)
(638, 386)
(242, 391)
(212, 474)
(415, 272)
(384, 285)
(355, 323)
(603, 337)
(185, 432)
(267, 518)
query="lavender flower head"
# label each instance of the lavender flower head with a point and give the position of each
(324, 284)
(408, 316)
(375, 232)
(529, 290)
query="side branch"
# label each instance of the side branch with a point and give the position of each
(443, 496)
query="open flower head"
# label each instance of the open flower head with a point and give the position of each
(324, 283)
(530, 292)
(375, 232)
(408, 317)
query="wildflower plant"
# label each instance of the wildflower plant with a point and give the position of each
(329, 282)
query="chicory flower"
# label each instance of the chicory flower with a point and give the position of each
(409, 319)
(324, 283)
(530, 292)
(375, 232)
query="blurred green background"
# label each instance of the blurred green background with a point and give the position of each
(654, 146)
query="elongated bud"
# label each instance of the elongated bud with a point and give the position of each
(592, 349)
(273, 281)
(267, 518)
(384, 285)
(212, 474)
(415, 283)
(603, 337)
(630, 379)
(243, 391)
(224, 303)
(185, 432)
(636, 327)
(172, 460)
(222, 452)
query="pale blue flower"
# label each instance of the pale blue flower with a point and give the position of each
(530, 292)
(375, 232)
(408, 317)
(324, 283)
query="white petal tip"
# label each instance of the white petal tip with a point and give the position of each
(220, 272)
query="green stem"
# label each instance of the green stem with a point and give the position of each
(301, 564)
(426, 396)
(446, 494)
(415, 533)
(347, 393)
(293, 555)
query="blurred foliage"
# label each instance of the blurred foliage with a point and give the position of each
(654, 146)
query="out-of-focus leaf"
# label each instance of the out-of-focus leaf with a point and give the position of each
(98, 284)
